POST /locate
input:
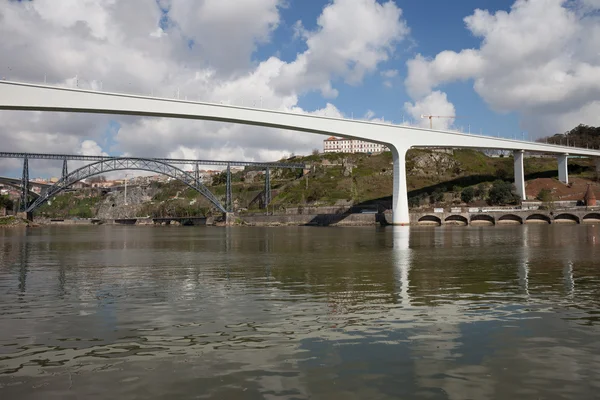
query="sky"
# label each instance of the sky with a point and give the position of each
(524, 68)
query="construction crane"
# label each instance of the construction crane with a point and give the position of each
(439, 116)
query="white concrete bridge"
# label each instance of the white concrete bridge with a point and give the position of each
(21, 96)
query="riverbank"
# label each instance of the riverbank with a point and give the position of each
(12, 221)
(438, 217)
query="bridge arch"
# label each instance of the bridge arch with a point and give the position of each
(591, 218)
(456, 220)
(482, 219)
(566, 218)
(510, 219)
(430, 220)
(538, 219)
(119, 164)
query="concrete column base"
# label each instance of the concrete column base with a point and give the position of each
(229, 218)
(25, 215)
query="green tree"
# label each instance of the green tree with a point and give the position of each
(5, 201)
(501, 193)
(220, 179)
(468, 194)
(414, 202)
(481, 190)
(437, 196)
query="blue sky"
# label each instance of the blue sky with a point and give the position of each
(435, 26)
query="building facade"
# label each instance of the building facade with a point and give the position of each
(340, 145)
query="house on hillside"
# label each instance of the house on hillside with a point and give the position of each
(340, 145)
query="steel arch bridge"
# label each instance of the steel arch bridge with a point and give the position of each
(120, 164)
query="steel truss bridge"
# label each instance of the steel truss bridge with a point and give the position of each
(164, 166)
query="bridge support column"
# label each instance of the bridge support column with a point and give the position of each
(267, 187)
(598, 167)
(400, 215)
(228, 200)
(519, 174)
(197, 173)
(563, 173)
(25, 185)
(65, 170)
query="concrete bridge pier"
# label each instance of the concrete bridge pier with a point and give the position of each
(400, 215)
(563, 172)
(519, 174)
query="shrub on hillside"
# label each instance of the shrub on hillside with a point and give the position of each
(467, 195)
(544, 195)
(501, 193)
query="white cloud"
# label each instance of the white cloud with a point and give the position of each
(353, 37)
(540, 60)
(424, 75)
(225, 33)
(389, 73)
(91, 148)
(435, 104)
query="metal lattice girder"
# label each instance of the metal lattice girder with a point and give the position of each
(116, 164)
(164, 160)
(25, 185)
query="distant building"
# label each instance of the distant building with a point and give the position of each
(80, 185)
(337, 145)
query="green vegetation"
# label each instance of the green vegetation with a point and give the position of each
(501, 193)
(582, 136)
(11, 220)
(173, 208)
(6, 202)
(70, 205)
(544, 195)
(467, 195)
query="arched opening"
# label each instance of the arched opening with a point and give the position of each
(510, 219)
(120, 164)
(482, 220)
(592, 218)
(457, 220)
(566, 219)
(430, 220)
(538, 219)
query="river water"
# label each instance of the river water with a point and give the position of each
(291, 313)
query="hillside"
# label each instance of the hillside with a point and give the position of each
(583, 136)
(434, 178)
